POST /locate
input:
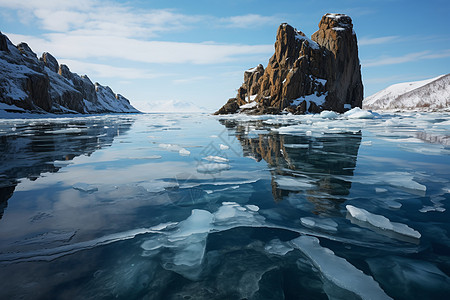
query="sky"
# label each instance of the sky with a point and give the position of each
(178, 55)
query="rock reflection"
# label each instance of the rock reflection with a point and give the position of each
(45, 146)
(318, 167)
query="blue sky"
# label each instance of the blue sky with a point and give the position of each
(161, 54)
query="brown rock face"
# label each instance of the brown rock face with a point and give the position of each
(318, 73)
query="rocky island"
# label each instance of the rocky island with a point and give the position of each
(305, 74)
(29, 84)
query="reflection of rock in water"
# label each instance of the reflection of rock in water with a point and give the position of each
(315, 166)
(27, 151)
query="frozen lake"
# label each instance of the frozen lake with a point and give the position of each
(173, 206)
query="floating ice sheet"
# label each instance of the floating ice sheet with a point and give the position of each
(278, 247)
(381, 222)
(320, 223)
(217, 159)
(338, 270)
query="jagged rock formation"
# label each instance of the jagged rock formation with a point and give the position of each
(29, 84)
(305, 75)
(427, 95)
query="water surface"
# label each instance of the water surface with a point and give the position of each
(173, 206)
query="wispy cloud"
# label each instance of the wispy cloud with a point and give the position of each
(416, 56)
(82, 47)
(100, 17)
(248, 21)
(364, 41)
(108, 71)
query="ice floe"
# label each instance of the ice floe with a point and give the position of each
(217, 159)
(184, 152)
(211, 168)
(339, 271)
(278, 247)
(381, 222)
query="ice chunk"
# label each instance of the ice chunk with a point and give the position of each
(217, 159)
(212, 168)
(252, 207)
(320, 223)
(327, 114)
(278, 247)
(293, 183)
(339, 271)
(171, 147)
(198, 222)
(358, 113)
(85, 187)
(224, 147)
(184, 152)
(381, 222)
(380, 190)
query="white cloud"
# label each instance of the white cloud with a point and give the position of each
(364, 41)
(248, 21)
(108, 71)
(100, 17)
(416, 56)
(83, 47)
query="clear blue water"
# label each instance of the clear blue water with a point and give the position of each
(172, 206)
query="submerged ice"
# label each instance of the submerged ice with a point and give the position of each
(344, 206)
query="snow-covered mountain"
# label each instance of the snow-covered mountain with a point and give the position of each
(430, 94)
(42, 85)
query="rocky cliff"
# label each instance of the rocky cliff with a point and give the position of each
(29, 84)
(305, 74)
(426, 95)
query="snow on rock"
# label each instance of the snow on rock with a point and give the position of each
(430, 94)
(339, 271)
(381, 222)
(249, 105)
(44, 86)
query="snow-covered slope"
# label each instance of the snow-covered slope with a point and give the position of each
(430, 94)
(42, 85)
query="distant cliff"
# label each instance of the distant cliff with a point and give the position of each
(305, 74)
(425, 95)
(29, 84)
